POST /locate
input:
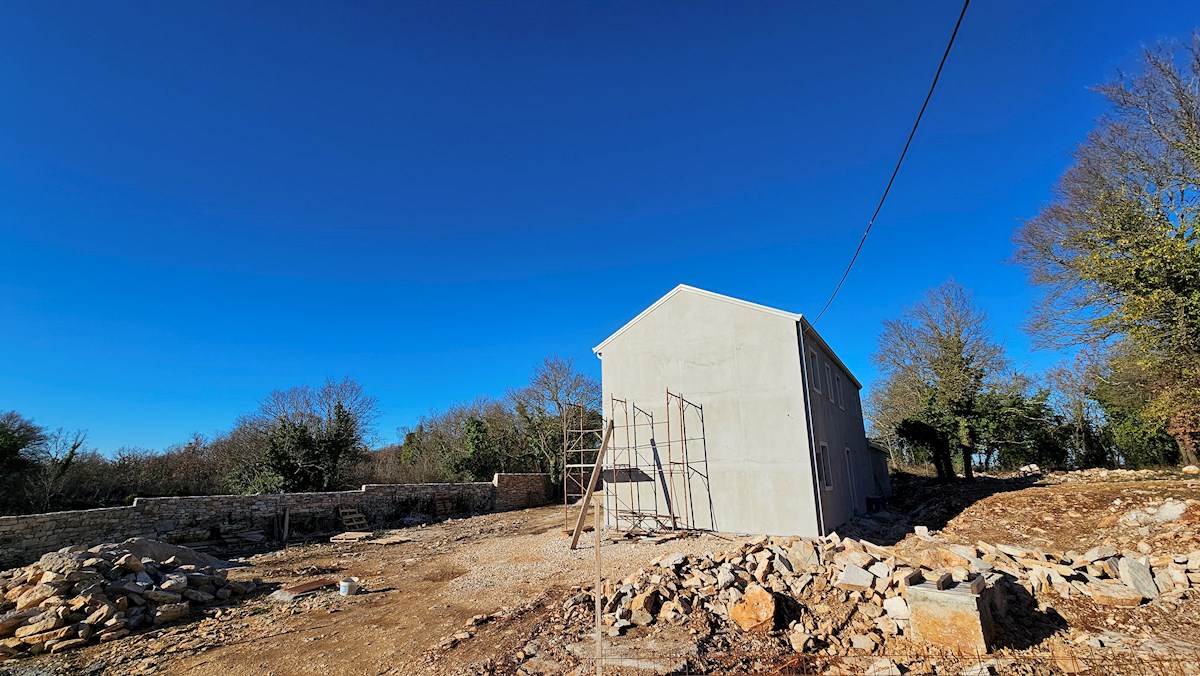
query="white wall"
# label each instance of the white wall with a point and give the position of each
(743, 366)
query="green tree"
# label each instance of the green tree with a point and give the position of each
(18, 435)
(293, 456)
(930, 441)
(309, 438)
(1116, 251)
(1015, 426)
(309, 455)
(484, 455)
(938, 356)
(1137, 438)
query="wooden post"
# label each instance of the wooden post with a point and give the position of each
(587, 497)
(599, 587)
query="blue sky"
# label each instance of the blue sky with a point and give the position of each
(204, 201)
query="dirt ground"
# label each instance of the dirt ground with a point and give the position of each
(496, 580)
(1041, 513)
(418, 594)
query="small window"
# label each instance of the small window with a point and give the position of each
(814, 372)
(841, 399)
(849, 471)
(829, 381)
(823, 476)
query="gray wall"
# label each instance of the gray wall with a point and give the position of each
(190, 519)
(743, 366)
(836, 410)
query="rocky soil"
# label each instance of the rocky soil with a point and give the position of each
(1088, 584)
(838, 605)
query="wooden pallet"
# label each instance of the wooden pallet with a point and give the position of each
(353, 519)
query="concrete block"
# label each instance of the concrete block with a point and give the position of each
(953, 618)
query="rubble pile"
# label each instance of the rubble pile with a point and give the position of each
(835, 595)
(76, 596)
(1103, 574)
(829, 595)
(1101, 475)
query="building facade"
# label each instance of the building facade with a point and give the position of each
(731, 416)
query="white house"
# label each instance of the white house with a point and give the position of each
(731, 416)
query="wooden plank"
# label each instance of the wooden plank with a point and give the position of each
(352, 536)
(587, 496)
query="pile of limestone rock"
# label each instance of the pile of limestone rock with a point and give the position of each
(77, 596)
(1102, 475)
(852, 593)
(749, 586)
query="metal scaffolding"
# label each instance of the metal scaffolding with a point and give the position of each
(581, 441)
(651, 474)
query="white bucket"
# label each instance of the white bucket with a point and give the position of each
(348, 586)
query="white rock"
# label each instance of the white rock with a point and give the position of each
(1137, 575)
(897, 608)
(1170, 511)
(857, 579)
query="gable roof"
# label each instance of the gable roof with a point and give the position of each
(684, 288)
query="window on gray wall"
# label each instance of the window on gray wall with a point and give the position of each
(841, 399)
(814, 372)
(829, 381)
(823, 466)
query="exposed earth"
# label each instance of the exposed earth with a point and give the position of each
(486, 594)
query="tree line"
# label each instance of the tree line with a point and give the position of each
(303, 439)
(1116, 258)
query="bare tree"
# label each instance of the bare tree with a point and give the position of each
(311, 406)
(543, 408)
(52, 460)
(1072, 388)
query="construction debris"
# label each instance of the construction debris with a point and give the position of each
(353, 519)
(289, 594)
(77, 596)
(834, 595)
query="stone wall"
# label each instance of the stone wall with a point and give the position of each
(192, 519)
(517, 491)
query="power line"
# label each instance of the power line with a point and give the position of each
(899, 162)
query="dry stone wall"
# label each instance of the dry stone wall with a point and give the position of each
(196, 518)
(518, 491)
